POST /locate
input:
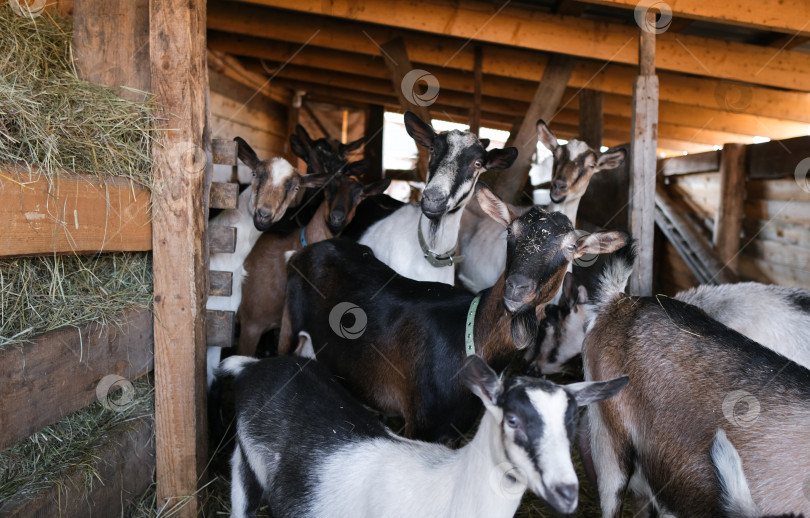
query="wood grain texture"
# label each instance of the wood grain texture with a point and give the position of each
(223, 151)
(57, 373)
(122, 470)
(478, 79)
(219, 328)
(544, 106)
(221, 284)
(728, 218)
(71, 213)
(223, 195)
(221, 240)
(180, 85)
(590, 118)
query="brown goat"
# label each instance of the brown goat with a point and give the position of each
(266, 268)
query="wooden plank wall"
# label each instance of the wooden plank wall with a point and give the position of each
(775, 242)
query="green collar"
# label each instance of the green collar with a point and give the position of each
(437, 260)
(469, 331)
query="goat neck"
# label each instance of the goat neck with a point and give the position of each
(569, 207)
(317, 229)
(493, 335)
(441, 235)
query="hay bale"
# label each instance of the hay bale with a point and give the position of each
(51, 119)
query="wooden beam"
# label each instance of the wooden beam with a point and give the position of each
(57, 373)
(293, 118)
(590, 118)
(728, 218)
(499, 60)
(777, 159)
(533, 29)
(478, 78)
(223, 195)
(373, 146)
(122, 468)
(180, 86)
(71, 213)
(695, 163)
(219, 328)
(643, 146)
(543, 106)
(233, 70)
(407, 89)
(788, 16)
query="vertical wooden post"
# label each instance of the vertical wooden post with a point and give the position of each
(590, 118)
(546, 99)
(180, 84)
(478, 78)
(643, 146)
(728, 219)
(373, 146)
(293, 116)
(399, 64)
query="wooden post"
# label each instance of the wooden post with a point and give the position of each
(475, 111)
(293, 116)
(396, 59)
(543, 106)
(180, 85)
(643, 146)
(373, 146)
(590, 118)
(728, 219)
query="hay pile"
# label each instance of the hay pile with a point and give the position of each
(40, 294)
(51, 119)
(45, 458)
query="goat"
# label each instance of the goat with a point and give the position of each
(267, 174)
(421, 243)
(408, 340)
(322, 156)
(737, 499)
(263, 293)
(308, 448)
(777, 317)
(483, 243)
(689, 375)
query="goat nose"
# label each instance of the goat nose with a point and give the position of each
(263, 213)
(337, 216)
(567, 493)
(560, 184)
(433, 203)
(518, 287)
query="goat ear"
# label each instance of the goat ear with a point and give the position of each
(600, 243)
(569, 290)
(484, 142)
(313, 181)
(479, 377)
(524, 329)
(582, 295)
(351, 146)
(588, 392)
(356, 169)
(545, 136)
(501, 158)
(376, 188)
(422, 132)
(299, 148)
(610, 160)
(493, 205)
(246, 153)
(303, 134)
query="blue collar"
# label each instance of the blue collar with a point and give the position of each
(303, 237)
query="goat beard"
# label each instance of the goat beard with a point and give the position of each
(524, 328)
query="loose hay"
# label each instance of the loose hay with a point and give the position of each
(51, 119)
(40, 294)
(50, 455)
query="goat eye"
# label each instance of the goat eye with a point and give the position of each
(508, 231)
(512, 421)
(430, 149)
(479, 164)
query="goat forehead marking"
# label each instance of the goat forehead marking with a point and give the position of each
(280, 170)
(577, 148)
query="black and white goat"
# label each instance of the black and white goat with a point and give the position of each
(408, 338)
(483, 244)
(690, 376)
(307, 448)
(420, 242)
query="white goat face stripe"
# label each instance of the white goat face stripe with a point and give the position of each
(553, 447)
(280, 170)
(445, 177)
(576, 148)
